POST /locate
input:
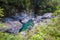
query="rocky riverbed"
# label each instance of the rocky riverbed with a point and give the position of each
(14, 23)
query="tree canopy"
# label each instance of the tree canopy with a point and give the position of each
(38, 6)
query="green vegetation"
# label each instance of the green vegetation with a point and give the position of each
(57, 12)
(38, 6)
(48, 32)
(6, 36)
(1, 24)
(1, 12)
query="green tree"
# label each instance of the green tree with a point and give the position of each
(1, 12)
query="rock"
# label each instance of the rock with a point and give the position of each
(8, 19)
(47, 16)
(13, 26)
(25, 20)
(38, 19)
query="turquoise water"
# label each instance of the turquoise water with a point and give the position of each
(25, 26)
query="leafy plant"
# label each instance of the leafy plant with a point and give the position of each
(7, 36)
(1, 12)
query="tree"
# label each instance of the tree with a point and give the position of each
(38, 6)
(1, 12)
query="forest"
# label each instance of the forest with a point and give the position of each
(29, 19)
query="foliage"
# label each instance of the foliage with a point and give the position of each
(38, 6)
(1, 12)
(57, 12)
(6, 36)
(43, 6)
(1, 24)
(48, 32)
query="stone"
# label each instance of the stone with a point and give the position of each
(12, 27)
(47, 16)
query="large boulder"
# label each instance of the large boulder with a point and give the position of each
(12, 26)
(47, 16)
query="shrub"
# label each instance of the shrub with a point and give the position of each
(1, 12)
(7, 36)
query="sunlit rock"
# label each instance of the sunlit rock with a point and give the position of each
(38, 19)
(13, 26)
(47, 15)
